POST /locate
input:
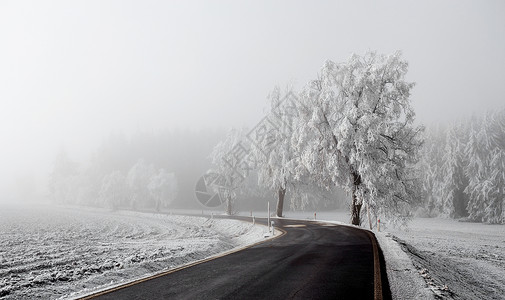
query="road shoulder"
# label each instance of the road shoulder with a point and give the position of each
(404, 279)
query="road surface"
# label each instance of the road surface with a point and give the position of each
(311, 260)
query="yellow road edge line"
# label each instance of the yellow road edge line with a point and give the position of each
(377, 281)
(376, 267)
(375, 249)
(122, 286)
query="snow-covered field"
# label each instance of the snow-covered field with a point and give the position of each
(456, 260)
(51, 252)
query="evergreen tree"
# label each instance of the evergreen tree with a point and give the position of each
(494, 212)
(477, 170)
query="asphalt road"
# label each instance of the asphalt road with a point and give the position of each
(311, 261)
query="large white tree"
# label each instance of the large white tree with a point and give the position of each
(356, 130)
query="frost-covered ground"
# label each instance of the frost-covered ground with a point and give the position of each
(456, 260)
(51, 252)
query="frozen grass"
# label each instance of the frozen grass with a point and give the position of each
(457, 260)
(49, 252)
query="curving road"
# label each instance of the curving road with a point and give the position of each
(312, 260)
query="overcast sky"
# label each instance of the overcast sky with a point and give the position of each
(73, 71)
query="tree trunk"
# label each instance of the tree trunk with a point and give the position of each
(355, 205)
(368, 213)
(228, 205)
(355, 210)
(280, 201)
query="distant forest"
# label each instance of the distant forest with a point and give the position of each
(122, 172)
(151, 171)
(463, 169)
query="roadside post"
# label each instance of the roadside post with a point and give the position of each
(268, 216)
(368, 213)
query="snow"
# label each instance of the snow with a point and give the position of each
(403, 277)
(55, 252)
(457, 260)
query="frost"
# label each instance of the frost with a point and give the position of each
(463, 169)
(457, 260)
(49, 252)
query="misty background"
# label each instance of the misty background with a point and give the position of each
(164, 81)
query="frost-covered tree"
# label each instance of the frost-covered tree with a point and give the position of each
(356, 131)
(497, 129)
(163, 188)
(114, 189)
(485, 170)
(63, 181)
(275, 162)
(137, 180)
(431, 167)
(477, 169)
(465, 179)
(454, 180)
(495, 209)
(228, 158)
(474, 169)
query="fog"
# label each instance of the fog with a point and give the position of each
(74, 72)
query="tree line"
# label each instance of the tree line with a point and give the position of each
(464, 169)
(141, 187)
(349, 133)
(146, 170)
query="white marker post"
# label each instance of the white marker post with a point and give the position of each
(268, 217)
